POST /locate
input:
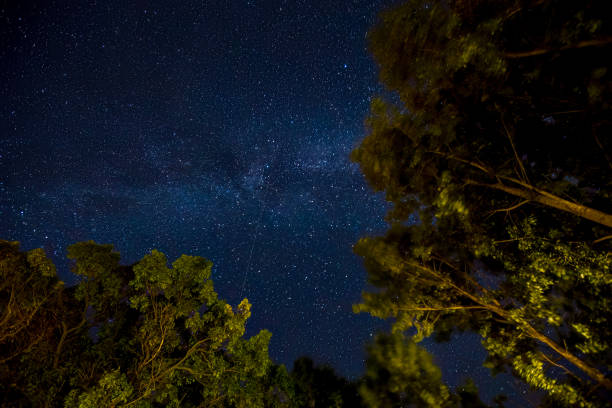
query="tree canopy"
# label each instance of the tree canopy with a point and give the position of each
(142, 335)
(157, 335)
(495, 152)
(400, 373)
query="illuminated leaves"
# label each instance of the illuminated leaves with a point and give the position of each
(139, 336)
(510, 199)
(399, 373)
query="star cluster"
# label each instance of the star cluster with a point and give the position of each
(219, 129)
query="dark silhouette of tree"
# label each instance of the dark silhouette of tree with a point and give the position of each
(320, 386)
(496, 155)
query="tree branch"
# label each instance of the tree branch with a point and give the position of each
(65, 332)
(597, 241)
(603, 149)
(561, 366)
(518, 160)
(514, 207)
(541, 51)
(524, 326)
(532, 193)
(435, 309)
(543, 197)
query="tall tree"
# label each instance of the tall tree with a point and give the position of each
(495, 152)
(141, 335)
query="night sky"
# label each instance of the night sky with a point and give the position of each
(212, 128)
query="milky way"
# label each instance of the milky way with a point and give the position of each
(219, 129)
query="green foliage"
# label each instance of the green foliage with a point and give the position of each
(112, 389)
(143, 335)
(31, 302)
(497, 162)
(399, 373)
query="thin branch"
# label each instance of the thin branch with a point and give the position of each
(514, 207)
(603, 149)
(185, 357)
(462, 160)
(597, 241)
(210, 403)
(466, 276)
(15, 328)
(512, 12)
(436, 309)
(155, 354)
(65, 332)
(564, 112)
(534, 194)
(504, 241)
(518, 160)
(189, 370)
(550, 200)
(8, 311)
(542, 51)
(524, 326)
(561, 366)
(26, 350)
(136, 400)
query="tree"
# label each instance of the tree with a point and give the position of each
(140, 335)
(30, 298)
(320, 386)
(400, 373)
(495, 153)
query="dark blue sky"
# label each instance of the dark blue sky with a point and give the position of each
(213, 128)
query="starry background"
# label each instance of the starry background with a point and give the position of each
(213, 128)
